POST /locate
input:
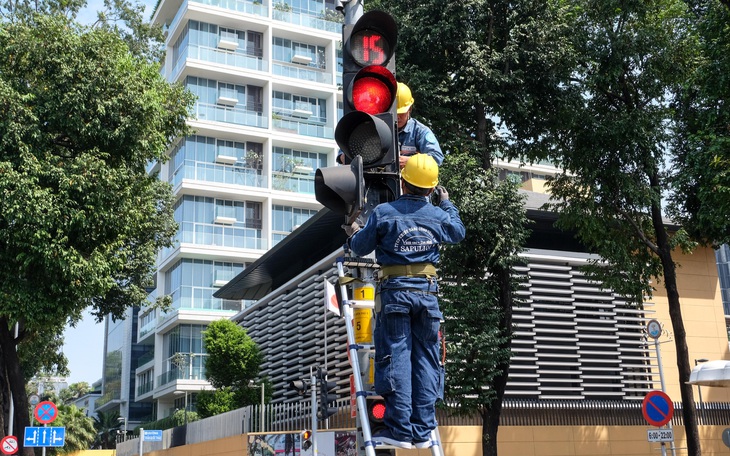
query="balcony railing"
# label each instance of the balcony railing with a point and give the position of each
(236, 174)
(250, 7)
(201, 298)
(221, 56)
(187, 373)
(145, 388)
(220, 235)
(304, 128)
(299, 72)
(306, 20)
(292, 183)
(234, 115)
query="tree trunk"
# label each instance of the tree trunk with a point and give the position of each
(490, 415)
(689, 413)
(16, 382)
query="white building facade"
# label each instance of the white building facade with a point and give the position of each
(266, 76)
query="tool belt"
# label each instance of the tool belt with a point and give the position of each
(407, 270)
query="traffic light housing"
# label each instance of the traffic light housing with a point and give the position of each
(300, 386)
(368, 129)
(327, 397)
(306, 436)
(340, 189)
(376, 412)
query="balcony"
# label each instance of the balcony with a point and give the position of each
(184, 373)
(290, 120)
(304, 73)
(210, 234)
(283, 12)
(293, 182)
(237, 174)
(145, 388)
(255, 7)
(201, 298)
(220, 56)
(230, 114)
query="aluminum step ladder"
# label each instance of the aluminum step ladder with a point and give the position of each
(359, 351)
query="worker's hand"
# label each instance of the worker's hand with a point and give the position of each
(443, 194)
(351, 229)
(402, 159)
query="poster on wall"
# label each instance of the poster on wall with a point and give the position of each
(329, 443)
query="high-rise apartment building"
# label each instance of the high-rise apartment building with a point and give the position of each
(266, 74)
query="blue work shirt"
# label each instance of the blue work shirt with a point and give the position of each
(416, 137)
(408, 230)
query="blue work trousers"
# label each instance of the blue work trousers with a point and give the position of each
(408, 372)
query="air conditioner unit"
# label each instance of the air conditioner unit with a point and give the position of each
(223, 220)
(303, 113)
(301, 169)
(227, 44)
(228, 101)
(303, 59)
(226, 159)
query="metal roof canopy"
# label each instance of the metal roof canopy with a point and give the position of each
(318, 237)
(322, 234)
(711, 373)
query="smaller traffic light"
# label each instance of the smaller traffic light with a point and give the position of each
(327, 397)
(340, 189)
(376, 412)
(300, 386)
(306, 436)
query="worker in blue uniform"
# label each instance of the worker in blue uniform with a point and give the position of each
(405, 235)
(413, 136)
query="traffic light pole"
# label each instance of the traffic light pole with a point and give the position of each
(313, 382)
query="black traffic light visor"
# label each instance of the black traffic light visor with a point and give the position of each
(340, 188)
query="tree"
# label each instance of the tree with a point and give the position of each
(80, 431)
(477, 287)
(74, 391)
(80, 220)
(477, 69)
(232, 363)
(107, 426)
(701, 177)
(614, 143)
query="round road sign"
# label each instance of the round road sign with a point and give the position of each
(654, 329)
(657, 408)
(9, 444)
(45, 412)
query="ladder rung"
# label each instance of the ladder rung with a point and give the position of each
(356, 304)
(365, 347)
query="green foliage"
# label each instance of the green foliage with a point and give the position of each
(106, 425)
(169, 422)
(211, 403)
(701, 176)
(475, 313)
(233, 357)
(80, 430)
(73, 392)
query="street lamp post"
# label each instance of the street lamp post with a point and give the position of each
(251, 384)
(120, 420)
(699, 392)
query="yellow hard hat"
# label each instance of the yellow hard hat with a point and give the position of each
(405, 98)
(422, 171)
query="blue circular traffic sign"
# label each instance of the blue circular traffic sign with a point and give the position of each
(45, 412)
(657, 408)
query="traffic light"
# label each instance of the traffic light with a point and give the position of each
(327, 397)
(306, 437)
(376, 412)
(300, 386)
(368, 128)
(340, 189)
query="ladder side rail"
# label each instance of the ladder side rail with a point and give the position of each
(355, 364)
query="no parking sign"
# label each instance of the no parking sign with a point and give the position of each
(657, 408)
